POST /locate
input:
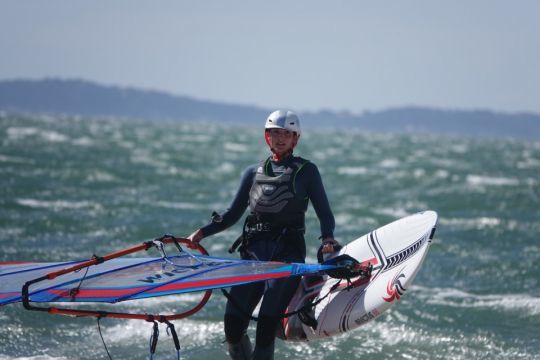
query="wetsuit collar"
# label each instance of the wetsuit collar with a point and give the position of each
(283, 161)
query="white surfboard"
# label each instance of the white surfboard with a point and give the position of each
(396, 252)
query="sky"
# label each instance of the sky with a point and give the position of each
(306, 55)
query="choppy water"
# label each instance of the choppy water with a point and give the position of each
(73, 187)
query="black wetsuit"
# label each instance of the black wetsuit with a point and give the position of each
(278, 194)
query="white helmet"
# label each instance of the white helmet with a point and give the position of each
(283, 119)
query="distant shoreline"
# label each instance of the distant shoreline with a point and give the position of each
(88, 99)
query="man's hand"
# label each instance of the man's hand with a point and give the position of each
(329, 245)
(195, 239)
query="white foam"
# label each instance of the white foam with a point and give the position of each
(419, 173)
(198, 332)
(352, 170)
(102, 176)
(58, 204)
(143, 156)
(460, 148)
(15, 159)
(235, 147)
(420, 343)
(17, 133)
(478, 180)
(20, 133)
(303, 348)
(522, 303)
(177, 303)
(11, 231)
(226, 168)
(198, 138)
(184, 171)
(442, 174)
(528, 163)
(129, 145)
(394, 212)
(389, 163)
(181, 205)
(343, 219)
(217, 247)
(319, 155)
(83, 141)
(478, 223)
(53, 136)
(36, 357)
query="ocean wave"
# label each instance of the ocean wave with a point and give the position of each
(215, 247)
(352, 170)
(391, 337)
(235, 147)
(144, 156)
(132, 332)
(399, 211)
(35, 357)
(20, 133)
(53, 136)
(169, 303)
(181, 205)
(226, 168)
(16, 159)
(459, 148)
(404, 340)
(389, 163)
(198, 138)
(479, 180)
(99, 176)
(58, 204)
(17, 133)
(525, 304)
(83, 141)
(344, 219)
(477, 223)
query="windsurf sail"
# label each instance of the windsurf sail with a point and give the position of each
(114, 278)
(120, 279)
(138, 278)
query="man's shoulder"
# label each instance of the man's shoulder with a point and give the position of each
(306, 166)
(252, 169)
(300, 161)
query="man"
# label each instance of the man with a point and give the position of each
(277, 191)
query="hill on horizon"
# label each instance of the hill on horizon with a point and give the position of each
(79, 97)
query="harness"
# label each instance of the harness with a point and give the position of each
(276, 210)
(276, 194)
(271, 227)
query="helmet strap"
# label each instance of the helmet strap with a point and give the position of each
(267, 138)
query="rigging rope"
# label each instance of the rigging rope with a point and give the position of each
(103, 340)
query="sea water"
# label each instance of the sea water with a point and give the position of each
(73, 187)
